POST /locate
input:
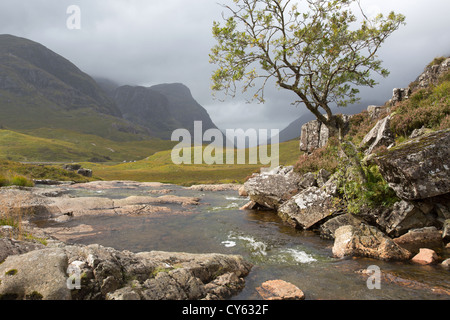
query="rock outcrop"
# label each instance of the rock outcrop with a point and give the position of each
(53, 204)
(380, 135)
(64, 272)
(399, 95)
(418, 169)
(432, 73)
(314, 135)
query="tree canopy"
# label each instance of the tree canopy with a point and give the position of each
(322, 50)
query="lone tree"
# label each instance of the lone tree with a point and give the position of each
(322, 52)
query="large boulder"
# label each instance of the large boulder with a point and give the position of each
(420, 238)
(39, 274)
(270, 189)
(311, 206)
(328, 229)
(420, 168)
(367, 241)
(64, 272)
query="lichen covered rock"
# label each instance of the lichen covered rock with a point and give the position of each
(65, 272)
(420, 168)
(271, 189)
(310, 206)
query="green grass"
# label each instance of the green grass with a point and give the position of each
(58, 145)
(160, 168)
(14, 173)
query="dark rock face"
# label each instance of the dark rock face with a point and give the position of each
(162, 108)
(420, 168)
(27, 65)
(145, 107)
(406, 215)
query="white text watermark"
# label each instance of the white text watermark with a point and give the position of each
(236, 146)
(73, 22)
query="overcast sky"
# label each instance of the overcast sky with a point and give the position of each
(147, 42)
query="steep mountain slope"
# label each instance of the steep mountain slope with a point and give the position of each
(146, 107)
(162, 108)
(28, 67)
(39, 88)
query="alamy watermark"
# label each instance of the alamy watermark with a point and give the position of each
(229, 148)
(374, 280)
(73, 22)
(74, 272)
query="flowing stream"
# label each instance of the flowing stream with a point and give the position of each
(277, 251)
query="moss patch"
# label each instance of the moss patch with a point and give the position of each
(11, 272)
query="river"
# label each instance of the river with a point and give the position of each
(277, 251)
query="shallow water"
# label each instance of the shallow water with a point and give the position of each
(276, 250)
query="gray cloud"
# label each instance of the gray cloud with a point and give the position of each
(149, 42)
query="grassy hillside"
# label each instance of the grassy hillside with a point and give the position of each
(160, 167)
(58, 145)
(14, 173)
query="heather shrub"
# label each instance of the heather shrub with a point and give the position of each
(323, 158)
(445, 123)
(425, 108)
(360, 125)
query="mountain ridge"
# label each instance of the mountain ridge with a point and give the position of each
(41, 89)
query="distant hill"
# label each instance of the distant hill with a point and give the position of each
(162, 108)
(39, 88)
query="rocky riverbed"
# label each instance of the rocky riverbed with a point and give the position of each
(68, 232)
(44, 266)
